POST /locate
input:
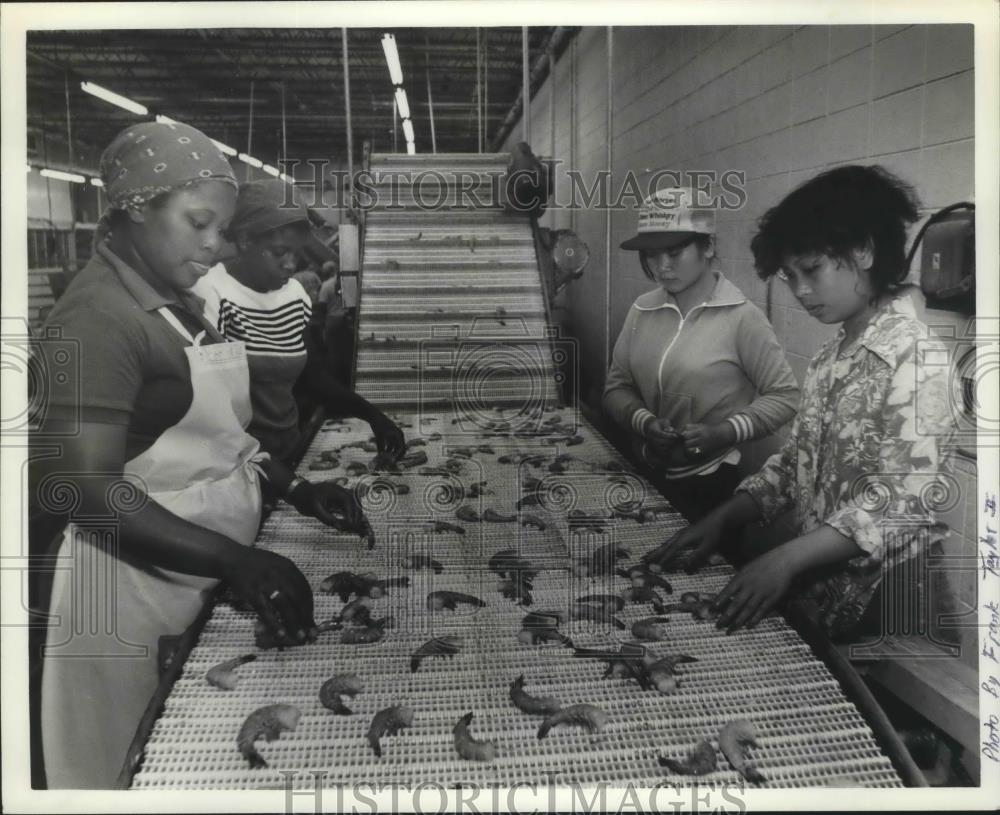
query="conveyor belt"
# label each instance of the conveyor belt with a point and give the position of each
(451, 310)
(809, 732)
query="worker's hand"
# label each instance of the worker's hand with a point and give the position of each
(755, 590)
(700, 440)
(275, 588)
(329, 503)
(389, 438)
(661, 436)
(704, 537)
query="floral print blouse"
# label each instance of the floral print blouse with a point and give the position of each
(866, 455)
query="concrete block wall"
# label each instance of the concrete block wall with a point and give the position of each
(780, 103)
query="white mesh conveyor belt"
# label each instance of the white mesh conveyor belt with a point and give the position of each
(809, 733)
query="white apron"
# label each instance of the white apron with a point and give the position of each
(100, 667)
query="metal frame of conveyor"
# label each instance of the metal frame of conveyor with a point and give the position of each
(851, 682)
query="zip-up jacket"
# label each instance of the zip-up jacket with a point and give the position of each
(720, 363)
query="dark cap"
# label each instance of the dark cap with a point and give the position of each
(266, 205)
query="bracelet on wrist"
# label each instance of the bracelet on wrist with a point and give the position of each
(295, 483)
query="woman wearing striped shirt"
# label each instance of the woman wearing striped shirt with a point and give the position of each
(254, 298)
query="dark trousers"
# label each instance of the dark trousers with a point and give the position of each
(698, 495)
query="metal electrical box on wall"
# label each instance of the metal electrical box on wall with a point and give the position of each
(350, 260)
(948, 263)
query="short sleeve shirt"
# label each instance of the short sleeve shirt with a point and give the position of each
(127, 364)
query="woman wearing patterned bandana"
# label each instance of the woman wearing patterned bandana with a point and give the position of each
(865, 461)
(156, 485)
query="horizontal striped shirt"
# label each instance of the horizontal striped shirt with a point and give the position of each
(272, 326)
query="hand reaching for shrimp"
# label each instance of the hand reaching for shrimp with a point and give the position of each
(755, 590)
(329, 503)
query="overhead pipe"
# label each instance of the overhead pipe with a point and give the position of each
(347, 114)
(430, 98)
(525, 88)
(560, 37)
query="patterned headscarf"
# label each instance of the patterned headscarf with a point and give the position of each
(148, 159)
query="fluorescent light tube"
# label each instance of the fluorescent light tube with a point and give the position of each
(253, 162)
(114, 98)
(225, 148)
(392, 59)
(97, 182)
(401, 104)
(411, 148)
(166, 120)
(267, 168)
(59, 175)
(408, 129)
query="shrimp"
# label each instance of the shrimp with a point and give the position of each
(699, 761)
(444, 526)
(356, 468)
(609, 602)
(324, 464)
(662, 673)
(223, 675)
(529, 501)
(641, 576)
(337, 686)
(732, 739)
(534, 705)
(388, 722)
(267, 723)
(356, 612)
(373, 632)
(572, 441)
(535, 636)
(529, 483)
(505, 562)
(584, 611)
(437, 647)
(328, 625)
(470, 748)
(467, 513)
(438, 600)
(423, 562)
(533, 520)
(331, 455)
(699, 605)
(648, 629)
(518, 588)
(461, 452)
(495, 517)
(628, 661)
(414, 459)
(589, 716)
(476, 489)
(345, 584)
(485, 448)
(644, 594)
(601, 561)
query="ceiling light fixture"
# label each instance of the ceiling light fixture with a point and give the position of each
(411, 148)
(97, 182)
(408, 129)
(114, 98)
(253, 162)
(225, 148)
(392, 59)
(59, 175)
(401, 104)
(166, 120)
(267, 168)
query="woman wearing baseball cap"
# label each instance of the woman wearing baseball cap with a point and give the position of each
(697, 369)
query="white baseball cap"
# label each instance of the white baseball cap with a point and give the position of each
(668, 218)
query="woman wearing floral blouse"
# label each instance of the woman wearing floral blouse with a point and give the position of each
(864, 463)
